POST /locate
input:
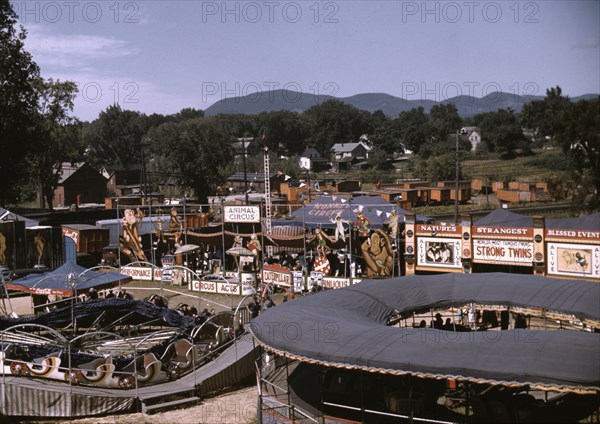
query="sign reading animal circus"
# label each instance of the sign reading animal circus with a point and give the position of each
(242, 214)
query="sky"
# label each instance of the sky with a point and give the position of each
(163, 56)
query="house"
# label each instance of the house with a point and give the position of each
(124, 182)
(473, 135)
(312, 160)
(348, 156)
(79, 183)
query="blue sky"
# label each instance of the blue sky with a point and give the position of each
(162, 56)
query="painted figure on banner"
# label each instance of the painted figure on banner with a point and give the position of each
(39, 242)
(175, 226)
(237, 242)
(340, 232)
(255, 247)
(392, 223)
(378, 254)
(130, 241)
(362, 223)
(321, 238)
(2, 249)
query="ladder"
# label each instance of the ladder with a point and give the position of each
(268, 226)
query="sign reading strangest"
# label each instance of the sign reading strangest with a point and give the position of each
(242, 214)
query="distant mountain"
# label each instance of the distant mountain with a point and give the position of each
(269, 101)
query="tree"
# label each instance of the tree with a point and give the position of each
(441, 168)
(115, 138)
(414, 130)
(577, 130)
(195, 153)
(444, 121)
(18, 102)
(56, 134)
(285, 131)
(334, 122)
(501, 132)
(539, 115)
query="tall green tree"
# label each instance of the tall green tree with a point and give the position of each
(414, 129)
(194, 153)
(286, 132)
(334, 122)
(56, 135)
(577, 130)
(501, 132)
(115, 138)
(18, 104)
(539, 116)
(444, 121)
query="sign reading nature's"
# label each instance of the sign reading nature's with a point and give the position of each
(242, 214)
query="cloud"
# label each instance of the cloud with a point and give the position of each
(69, 51)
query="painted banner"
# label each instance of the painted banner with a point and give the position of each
(574, 260)
(439, 252)
(508, 252)
(278, 275)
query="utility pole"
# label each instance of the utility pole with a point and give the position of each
(457, 164)
(245, 142)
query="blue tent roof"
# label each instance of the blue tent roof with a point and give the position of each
(7, 215)
(57, 281)
(583, 223)
(504, 218)
(322, 210)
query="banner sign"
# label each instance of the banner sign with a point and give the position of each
(298, 281)
(430, 229)
(242, 214)
(337, 283)
(574, 260)
(501, 232)
(508, 252)
(439, 252)
(316, 279)
(573, 234)
(277, 274)
(72, 234)
(142, 273)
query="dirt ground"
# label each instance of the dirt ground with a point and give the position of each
(234, 407)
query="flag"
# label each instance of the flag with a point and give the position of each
(264, 135)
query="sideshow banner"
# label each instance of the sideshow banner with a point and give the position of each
(509, 252)
(437, 253)
(298, 281)
(574, 260)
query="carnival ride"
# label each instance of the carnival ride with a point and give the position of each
(112, 343)
(358, 345)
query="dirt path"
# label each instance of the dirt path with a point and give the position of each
(237, 406)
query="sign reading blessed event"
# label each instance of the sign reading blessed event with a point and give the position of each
(242, 214)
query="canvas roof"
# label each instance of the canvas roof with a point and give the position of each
(320, 212)
(357, 336)
(505, 218)
(57, 282)
(11, 216)
(583, 223)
